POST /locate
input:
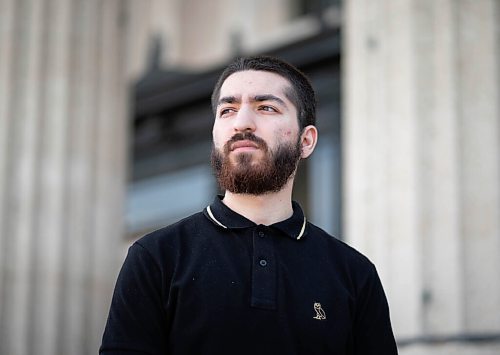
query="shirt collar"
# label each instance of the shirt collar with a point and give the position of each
(224, 217)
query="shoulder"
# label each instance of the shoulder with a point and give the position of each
(342, 253)
(172, 237)
(355, 270)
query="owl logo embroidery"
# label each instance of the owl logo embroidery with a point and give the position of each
(320, 313)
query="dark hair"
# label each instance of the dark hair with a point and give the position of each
(301, 93)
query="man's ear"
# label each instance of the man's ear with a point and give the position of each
(308, 140)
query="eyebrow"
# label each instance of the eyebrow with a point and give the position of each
(227, 100)
(256, 98)
(269, 97)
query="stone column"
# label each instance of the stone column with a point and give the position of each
(63, 124)
(422, 168)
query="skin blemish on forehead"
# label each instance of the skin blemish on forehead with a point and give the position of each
(256, 88)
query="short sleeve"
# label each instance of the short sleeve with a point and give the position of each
(372, 329)
(137, 322)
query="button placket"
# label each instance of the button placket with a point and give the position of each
(264, 272)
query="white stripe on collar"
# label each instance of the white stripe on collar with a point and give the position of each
(302, 230)
(209, 211)
(213, 218)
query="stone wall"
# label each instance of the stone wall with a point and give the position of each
(63, 131)
(422, 166)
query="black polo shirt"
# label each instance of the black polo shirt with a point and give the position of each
(217, 283)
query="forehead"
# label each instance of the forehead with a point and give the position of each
(254, 82)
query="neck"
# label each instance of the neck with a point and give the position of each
(262, 209)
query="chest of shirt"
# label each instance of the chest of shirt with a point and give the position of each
(259, 283)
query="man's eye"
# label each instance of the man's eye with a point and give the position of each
(226, 111)
(267, 108)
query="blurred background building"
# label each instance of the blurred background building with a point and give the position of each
(105, 133)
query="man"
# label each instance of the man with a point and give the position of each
(249, 274)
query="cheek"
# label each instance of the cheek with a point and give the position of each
(217, 136)
(219, 144)
(286, 134)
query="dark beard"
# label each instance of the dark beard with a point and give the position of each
(245, 176)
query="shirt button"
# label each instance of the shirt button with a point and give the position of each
(263, 262)
(261, 234)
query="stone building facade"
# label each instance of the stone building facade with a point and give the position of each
(63, 139)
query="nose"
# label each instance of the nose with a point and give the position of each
(244, 120)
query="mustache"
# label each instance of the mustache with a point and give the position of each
(246, 136)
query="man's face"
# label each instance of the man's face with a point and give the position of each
(255, 134)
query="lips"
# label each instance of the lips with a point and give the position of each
(244, 144)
